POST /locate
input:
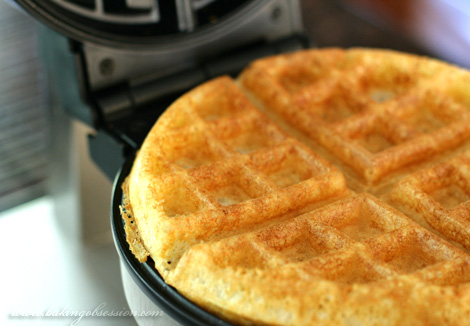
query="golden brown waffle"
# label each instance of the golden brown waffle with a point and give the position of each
(324, 187)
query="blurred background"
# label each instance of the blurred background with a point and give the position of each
(50, 187)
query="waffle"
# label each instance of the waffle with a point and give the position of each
(323, 187)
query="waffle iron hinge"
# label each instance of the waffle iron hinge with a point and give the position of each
(128, 110)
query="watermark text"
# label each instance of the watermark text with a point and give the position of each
(99, 311)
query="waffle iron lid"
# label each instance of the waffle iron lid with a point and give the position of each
(132, 22)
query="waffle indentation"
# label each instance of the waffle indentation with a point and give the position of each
(412, 251)
(230, 194)
(349, 267)
(307, 71)
(339, 107)
(440, 194)
(429, 113)
(229, 183)
(424, 121)
(177, 197)
(299, 240)
(288, 165)
(361, 219)
(450, 195)
(248, 133)
(374, 141)
(193, 149)
(413, 259)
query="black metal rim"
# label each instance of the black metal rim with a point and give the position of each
(145, 275)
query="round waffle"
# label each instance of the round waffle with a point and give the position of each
(323, 187)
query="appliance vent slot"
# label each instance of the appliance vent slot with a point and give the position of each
(125, 7)
(88, 4)
(119, 12)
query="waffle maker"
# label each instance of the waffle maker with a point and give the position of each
(135, 57)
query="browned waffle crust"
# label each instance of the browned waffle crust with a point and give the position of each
(323, 187)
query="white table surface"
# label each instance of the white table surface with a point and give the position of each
(44, 272)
